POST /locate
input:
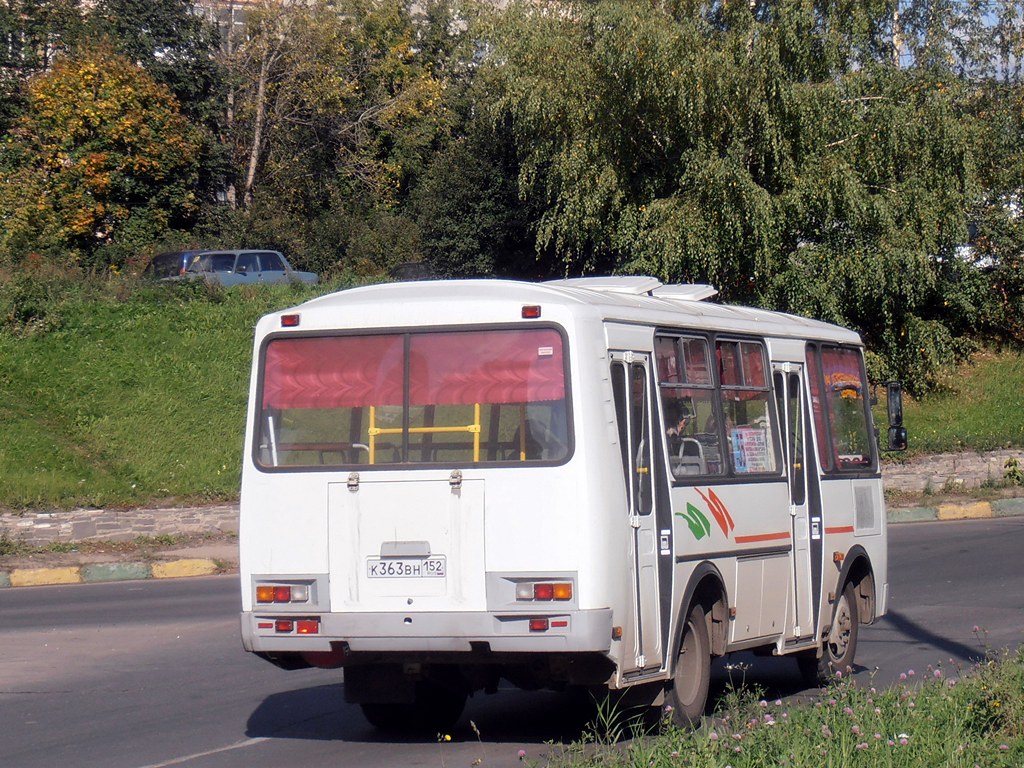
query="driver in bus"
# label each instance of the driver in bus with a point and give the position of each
(678, 418)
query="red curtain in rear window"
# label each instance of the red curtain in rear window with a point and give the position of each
(486, 367)
(445, 369)
(333, 372)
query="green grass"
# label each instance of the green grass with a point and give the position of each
(129, 400)
(982, 410)
(936, 717)
(116, 393)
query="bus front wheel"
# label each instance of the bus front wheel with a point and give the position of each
(692, 677)
(840, 645)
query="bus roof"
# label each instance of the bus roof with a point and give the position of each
(630, 299)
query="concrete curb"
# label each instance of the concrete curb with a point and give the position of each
(186, 567)
(102, 572)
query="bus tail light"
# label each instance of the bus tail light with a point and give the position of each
(282, 593)
(538, 625)
(308, 626)
(543, 591)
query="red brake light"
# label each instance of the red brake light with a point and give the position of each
(284, 625)
(307, 626)
(538, 625)
(531, 312)
(282, 594)
(543, 591)
(289, 321)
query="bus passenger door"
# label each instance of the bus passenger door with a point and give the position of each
(631, 377)
(791, 401)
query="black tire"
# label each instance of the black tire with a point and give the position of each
(389, 717)
(840, 646)
(436, 708)
(691, 679)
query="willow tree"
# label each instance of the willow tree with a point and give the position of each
(774, 149)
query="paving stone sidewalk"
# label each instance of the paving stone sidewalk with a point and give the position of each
(936, 487)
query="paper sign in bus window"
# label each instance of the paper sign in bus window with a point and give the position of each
(750, 450)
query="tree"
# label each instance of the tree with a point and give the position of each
(32, 34)
(772, 149)
(336, 106)
(99, 146)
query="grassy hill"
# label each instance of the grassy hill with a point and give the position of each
(120, 394)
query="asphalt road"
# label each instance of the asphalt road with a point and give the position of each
(151, 673)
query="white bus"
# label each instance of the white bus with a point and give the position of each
(596, 482)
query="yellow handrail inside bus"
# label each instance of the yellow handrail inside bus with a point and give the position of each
(473, 429)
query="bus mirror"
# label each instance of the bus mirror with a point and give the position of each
(897, 438)
(894, 395)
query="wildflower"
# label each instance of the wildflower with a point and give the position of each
(839, 674)
(937, 674)
(878, 736)
(862, 745)
(847, 711)
(904, 742)
(831, 702)
(444, 737)
(778, 702)
(825, 731)
(762, 703)
(1003, 747)
(903, 675)
(668, 708)
(878, 710)
(713, 736)
(872, 691)
(737, 749)
(521, 754)
(769, 720)
(910, 673)
(856, 730)
(673, 753)
(892, 743)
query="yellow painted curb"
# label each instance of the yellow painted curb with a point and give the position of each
(965, 511)
(37, 577)
(180, 568)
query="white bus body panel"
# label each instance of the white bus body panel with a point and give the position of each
(505, 523)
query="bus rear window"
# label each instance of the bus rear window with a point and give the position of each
(463, 397)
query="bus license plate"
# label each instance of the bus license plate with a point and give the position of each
(406, 568)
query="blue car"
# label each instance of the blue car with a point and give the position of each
(230, 268)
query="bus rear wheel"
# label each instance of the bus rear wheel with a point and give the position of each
(692, 677)
(840, 646)
(435, 709)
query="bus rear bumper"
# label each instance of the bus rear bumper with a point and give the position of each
(578, 631)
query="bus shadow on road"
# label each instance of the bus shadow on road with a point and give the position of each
(531, 717)
(321, 713)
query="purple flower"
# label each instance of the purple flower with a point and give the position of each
(521, 754)
(713, 736)
(862, 745)
(856, 730)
